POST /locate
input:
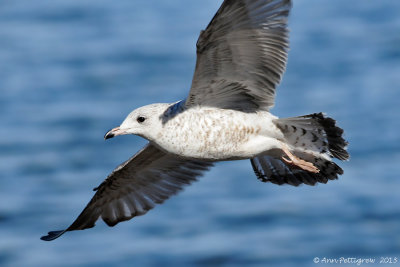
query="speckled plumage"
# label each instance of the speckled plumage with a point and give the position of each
(241, 57)
(218, 134)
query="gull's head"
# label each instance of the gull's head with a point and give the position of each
(144, 121)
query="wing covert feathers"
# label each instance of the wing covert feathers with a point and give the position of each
(241, 56)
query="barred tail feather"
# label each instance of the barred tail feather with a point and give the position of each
(314, 133)
(314, 138)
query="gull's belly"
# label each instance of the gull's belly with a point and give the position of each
(216, 134)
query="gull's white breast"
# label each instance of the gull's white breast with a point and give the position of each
(219, 134)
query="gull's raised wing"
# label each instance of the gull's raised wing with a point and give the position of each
(242, 55)
(148, 178)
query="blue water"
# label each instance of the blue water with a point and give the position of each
(72, 69)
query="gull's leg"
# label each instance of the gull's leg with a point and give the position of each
(302, 164)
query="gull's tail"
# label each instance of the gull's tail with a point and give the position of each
(312, 138)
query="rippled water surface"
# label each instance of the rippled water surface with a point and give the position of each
(72, 69)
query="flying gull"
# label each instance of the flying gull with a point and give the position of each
(241, 57)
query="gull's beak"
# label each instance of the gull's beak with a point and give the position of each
(114, 132)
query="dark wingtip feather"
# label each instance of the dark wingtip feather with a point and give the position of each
(52, 235)
(337, 144)
(266, 171)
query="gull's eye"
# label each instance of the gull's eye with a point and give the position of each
(140, 119)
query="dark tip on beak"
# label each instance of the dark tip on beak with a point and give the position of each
(114, 132)
(109, 134)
